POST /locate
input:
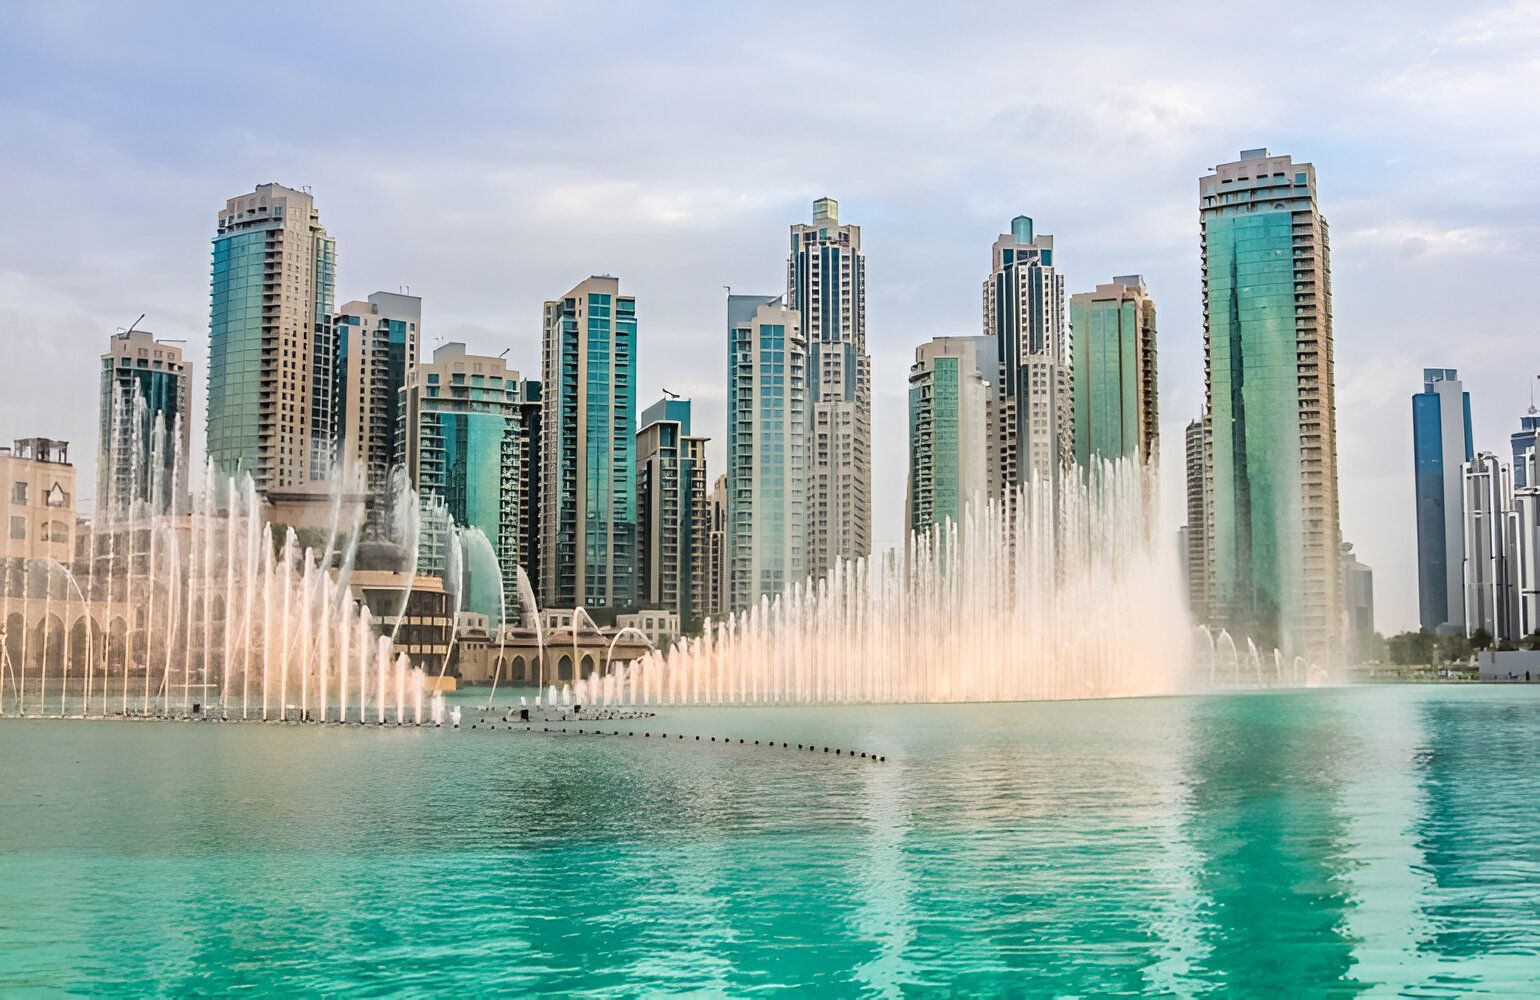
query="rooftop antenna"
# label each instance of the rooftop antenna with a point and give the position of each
(142, 315)
(670, 395)
(1532, 394)
(505, 352)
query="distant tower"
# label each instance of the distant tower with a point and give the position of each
(672, 516)
(1034, 389)
(143, 380)
(1525, 438)
(1197, 521)
(767, 450)
(1272, 461)
(1116, 398)
(271, 356)
(1491, 569)
(588, 450)
(714, 599)
(377, 341)
(948, 428)
(1441, 445)
(826, 287)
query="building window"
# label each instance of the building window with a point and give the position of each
(19, 493)
(19, 528)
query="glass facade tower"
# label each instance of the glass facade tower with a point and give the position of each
(767, 457)
(588, 451)
(376, 342)
(1273, 533)
(1116, 401)
(271, 354)
(948, 429)
(143, 381)
(673, 522)
(1441, 445)
(466, 443)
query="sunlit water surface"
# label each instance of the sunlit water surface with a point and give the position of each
(1379, 839)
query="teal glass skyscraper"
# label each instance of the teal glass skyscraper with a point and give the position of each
(767, 452)
(948, 429)
(588, 451)
(144, 382)
(1116, 404)
(271, 355)
(466, 441)
(1442, 443)
(376, 342)
(1273, 536)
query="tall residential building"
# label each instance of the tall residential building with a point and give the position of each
(38, 484)
(588, 451)
(948, 429)
(144, 382)
(1194, 537)
(1273, 527)
(377, 341)
(1034, 387)
(1491, 549)
(271, 356)
(1523, 439)
(1441, 445)
(1116, 402)
(672, 514)
(714, 589)
(767, 448)
(465, 445)
(1358, 603)
(826, 287)
(1526, 545)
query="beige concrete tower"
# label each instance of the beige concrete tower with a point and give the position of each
(826, 287)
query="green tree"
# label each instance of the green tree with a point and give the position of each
(1480, 639)
(1453, 647)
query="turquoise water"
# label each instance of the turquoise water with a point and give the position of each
(1382, 839)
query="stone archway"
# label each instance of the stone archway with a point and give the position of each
(564, 668)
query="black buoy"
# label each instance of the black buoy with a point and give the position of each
(799, 746)
(825, 749)
(836, 753)
(756, 743)
(697, 739)
(713, 739)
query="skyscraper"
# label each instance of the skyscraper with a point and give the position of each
(672, 514)
(1116, 400)
(377, 341)
(1526, 542)
(1034, 389)
(465, 445)
(271, 356)
(715, 602)
(1358, 603)
(1491, 549)
(143, 381)
(1523, 439)
(588, 451)
(767, 447)
(948, 429)
(1273, 526)
(1441, 445)
(1196, 533)
(826, 287)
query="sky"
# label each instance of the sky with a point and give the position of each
(492, 155)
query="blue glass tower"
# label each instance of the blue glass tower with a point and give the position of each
(1441, 444)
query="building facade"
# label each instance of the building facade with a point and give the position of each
(948, 429)
(144, 383)
(767, 450)
(672, 512)
(271, 354)
(465, 445)
(1194, 534)
(715, 602)
(1117, 412)
(826, 287)
(39, 496)
(1273, 530)
(1526, 544)
(1441, 445)
(376, 342)
(1491, 549)
(1358, 604)
(1522, 440)
(588, 453)
(1034, 388)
